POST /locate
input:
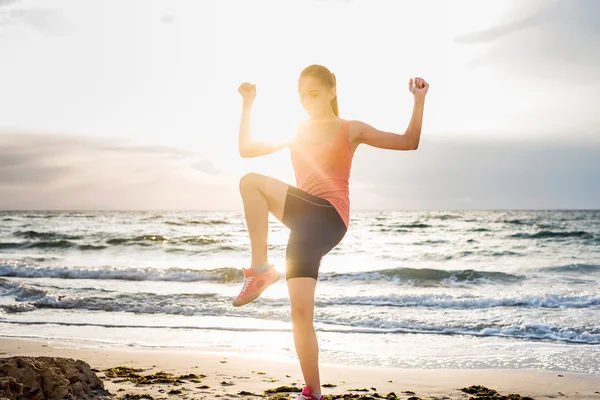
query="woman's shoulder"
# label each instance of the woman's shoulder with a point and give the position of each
(354, 129)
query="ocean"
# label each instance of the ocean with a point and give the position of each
(409, 289)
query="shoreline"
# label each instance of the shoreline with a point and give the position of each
(229, 374)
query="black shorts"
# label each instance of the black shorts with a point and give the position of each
(315, 228)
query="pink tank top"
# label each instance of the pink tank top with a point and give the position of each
(324, 170)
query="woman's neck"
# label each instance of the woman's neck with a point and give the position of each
(326, 116)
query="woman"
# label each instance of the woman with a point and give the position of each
(317, 211)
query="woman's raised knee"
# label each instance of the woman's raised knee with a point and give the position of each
(249, 180)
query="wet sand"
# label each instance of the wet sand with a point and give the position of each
(182, 374)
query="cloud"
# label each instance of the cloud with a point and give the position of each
(495, 33)
(7, 2)
(47, 21)
(50, 22)
(546, 38)
(56, 171)
(62, 172)
(167, 19)
(472, 173)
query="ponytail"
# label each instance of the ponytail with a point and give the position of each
(334, 101)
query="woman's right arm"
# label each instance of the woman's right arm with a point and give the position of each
(249, 148)
(253, 148)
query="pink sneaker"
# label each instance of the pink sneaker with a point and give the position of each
(307, 394)
(255, 284)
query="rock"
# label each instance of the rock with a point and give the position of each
(39, 378)
(9, 387)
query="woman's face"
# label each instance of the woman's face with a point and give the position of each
(314, 96)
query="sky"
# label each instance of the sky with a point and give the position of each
(134, 105)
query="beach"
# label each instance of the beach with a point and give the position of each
(433, 301)
(242, 376)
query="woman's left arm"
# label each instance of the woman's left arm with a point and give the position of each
(393, 141)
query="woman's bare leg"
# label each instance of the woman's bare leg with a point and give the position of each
(261, 194)
(302, 301)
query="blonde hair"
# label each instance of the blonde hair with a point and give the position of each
(328, 79)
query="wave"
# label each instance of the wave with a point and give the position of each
(553, 234)
(574, 268)
(46, 236)
(529, 331)
(487, 253)
(501, 253)
(138, 240)
(447, 216)
(150, 240)
(58, 244)
(106, 300)
(186, 327)
(213, 305)
(409, 276)
(198, 222)
(409, 226)
(52, 240)
(209, 222)
(515, 222)
(444, 301)
(424, 275)
(152, 218)
(29, 298)
(86, 247)
(61, 244)
(108, 305)
(532, 331)
(428, 242)
(23, 270)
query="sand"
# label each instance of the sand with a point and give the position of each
(232, 375)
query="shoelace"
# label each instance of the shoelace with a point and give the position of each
(247, 282)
